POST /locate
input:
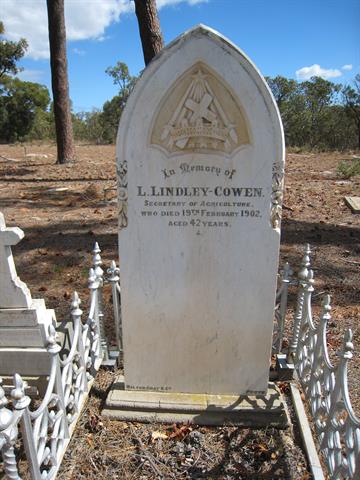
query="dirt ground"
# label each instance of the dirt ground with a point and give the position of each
(63, 210)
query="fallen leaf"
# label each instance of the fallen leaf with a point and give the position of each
(156, 435)
(180, 432)
(89, 440)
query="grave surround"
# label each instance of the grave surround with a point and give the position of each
(200, 162)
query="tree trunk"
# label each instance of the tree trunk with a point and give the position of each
(59, 81)
(149, 27)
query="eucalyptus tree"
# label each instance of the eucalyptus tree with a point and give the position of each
(59, 82)
(149, 28)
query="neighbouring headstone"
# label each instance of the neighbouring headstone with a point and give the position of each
(353, 203)
(13, 292)
(200, 162)
(24, 322)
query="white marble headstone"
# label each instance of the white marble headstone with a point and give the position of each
(13, 292)
(200, 161)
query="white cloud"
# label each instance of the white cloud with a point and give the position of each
(84, 20)
(165, 3)
(315, 70)
(347, 67)
(30, 75)
(78, 51)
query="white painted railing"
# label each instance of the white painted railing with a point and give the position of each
(325, 385)
(47, 429)
(285, 280)
(114, 279)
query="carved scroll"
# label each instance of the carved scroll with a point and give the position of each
(121, 171)
(277, 195)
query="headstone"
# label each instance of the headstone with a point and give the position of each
(13, 292)
(24, 322)
(200, 162)
(353, 203)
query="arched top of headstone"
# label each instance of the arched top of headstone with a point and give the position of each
(205, 86)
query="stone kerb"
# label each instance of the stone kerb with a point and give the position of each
(24, 322)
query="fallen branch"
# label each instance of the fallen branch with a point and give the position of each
(9, 159)
(352, 262)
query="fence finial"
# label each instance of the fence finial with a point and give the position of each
(326, 303)
(348, 346)
(5, 414)
(113, 272)
(75, 304)
(52, 345)
(20, 400)
(97, 262)
(309, 281)
(92, 280)
(287, 272)
(305, 264)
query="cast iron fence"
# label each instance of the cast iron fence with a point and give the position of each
(47, 429)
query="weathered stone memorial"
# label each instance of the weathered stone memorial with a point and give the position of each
(200, 162)
(24, 321)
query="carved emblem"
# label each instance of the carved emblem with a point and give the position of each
(277, 195)
(200, 114)
(121, 170)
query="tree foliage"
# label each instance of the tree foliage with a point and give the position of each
(122, 78)
(351, 98)
(107, 121)
(313, 115)
(316, 114)
(22, 106)
(10, 54)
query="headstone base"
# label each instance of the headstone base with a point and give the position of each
(201, 409)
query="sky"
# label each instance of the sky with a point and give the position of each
(293, 38)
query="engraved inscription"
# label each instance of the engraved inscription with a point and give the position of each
(200, 115)
(200, 207)
(148, 388)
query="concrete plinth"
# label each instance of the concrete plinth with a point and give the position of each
(201, 409)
